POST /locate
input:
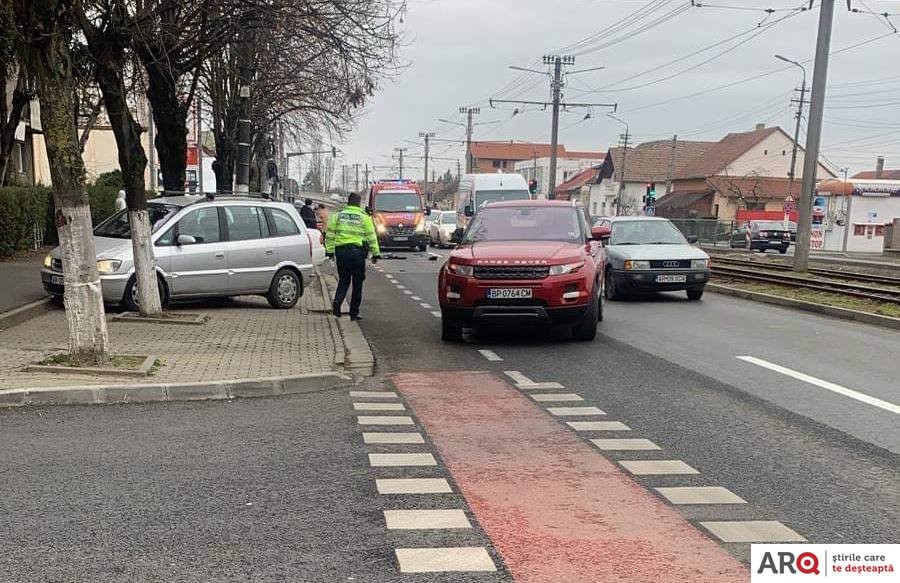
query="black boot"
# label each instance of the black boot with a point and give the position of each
(356, 317)
(336, 310)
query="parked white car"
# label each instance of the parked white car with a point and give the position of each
(442, 229)
(224, 247)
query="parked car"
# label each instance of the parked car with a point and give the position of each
(534, 262)
(649, 254)
(429, 220)
(206, 248)
(442, 230)
(763, 235)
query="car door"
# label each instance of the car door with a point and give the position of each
(252, 259)
(199, 267)
(291, 243)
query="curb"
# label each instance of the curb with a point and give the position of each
(23, 313)
(156, 393)
(357, 357)
(833, 311)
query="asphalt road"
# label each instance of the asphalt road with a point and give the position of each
(822, 463)
(22, 282)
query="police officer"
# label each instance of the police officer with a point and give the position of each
(349, 233)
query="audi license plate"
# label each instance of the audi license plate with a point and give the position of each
(671, 278)
(510, 293)
(401, 238)
(56, 280)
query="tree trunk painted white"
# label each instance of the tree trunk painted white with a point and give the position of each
(83, 297)
(144, 263)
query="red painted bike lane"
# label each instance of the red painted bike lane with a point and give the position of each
(556, 510)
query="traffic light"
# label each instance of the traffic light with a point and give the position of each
(651, 194)
(532, 186)
(333, 152)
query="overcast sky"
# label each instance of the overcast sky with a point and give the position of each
(459, 52)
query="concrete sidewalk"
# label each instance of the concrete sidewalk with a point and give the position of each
(243, 339)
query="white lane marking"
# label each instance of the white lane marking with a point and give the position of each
(555, 397)
(401, 286)
(700, 495)
(378, 407)
(392, 437)
(425, 519)
(426, 306)
(625, 444)
(416, 299)
(518, 377)
(537, 386)
(384, 420)
(444, 560)
(373, 394)
(861, 397)
(598, 426)
(658, 467)
(436, 314)
(574, 411)
(490, 355)
(397, 460)
(752, 531)
(407, 292)
(413, 486)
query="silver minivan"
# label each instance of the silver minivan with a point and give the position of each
(204, 248)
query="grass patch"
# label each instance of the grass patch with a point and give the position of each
(123, 362)
(817, 297)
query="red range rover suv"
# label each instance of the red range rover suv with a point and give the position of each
(525, 262)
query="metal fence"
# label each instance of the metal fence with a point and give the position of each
(708, 231)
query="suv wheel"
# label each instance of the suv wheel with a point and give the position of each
(284, 290)
(586, 330)
(449, 331)
(695, 294)
(130, 298)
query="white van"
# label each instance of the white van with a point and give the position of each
(476, 190)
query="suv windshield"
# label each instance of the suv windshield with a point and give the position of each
(399, 202)
(117, 227)
(645, 233)
(482, 197)
(526, 224)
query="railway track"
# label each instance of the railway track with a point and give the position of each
(832, 273)
(850, 289)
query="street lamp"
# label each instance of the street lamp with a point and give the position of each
(622, 171)
(791, 174)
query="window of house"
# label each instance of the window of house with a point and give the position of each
(497, 164)
(784, 152)
(19, 157)
(765, 152)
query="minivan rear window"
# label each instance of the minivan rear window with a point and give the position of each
(482, 197)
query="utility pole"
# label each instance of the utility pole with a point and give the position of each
(624, 137)
(800, 103)
(356, 167)
(556, 86)
(671, 173)
(813, 136)
(469, 111)
(401, 150)
(367, 176)
(458, 173)
(427, 136)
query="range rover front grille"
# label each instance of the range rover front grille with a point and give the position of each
(511, 271)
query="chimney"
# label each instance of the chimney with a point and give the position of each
(760, 127)
(879, 167)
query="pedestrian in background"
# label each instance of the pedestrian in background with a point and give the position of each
(322, 215)
(308, 214)
(350, 237)
(121, 205)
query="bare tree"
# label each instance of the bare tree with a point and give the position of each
(748, 188)
(47, 29)
(106, 29)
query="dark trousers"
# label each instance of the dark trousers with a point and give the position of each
(351, 266)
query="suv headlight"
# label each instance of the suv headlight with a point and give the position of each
(463, 270)
(632, 264)
(48, 261)
(106, 266)
(566, 268)
(699, 263)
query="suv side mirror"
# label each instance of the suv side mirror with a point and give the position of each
(469, 211)
(600, 233)
(456, 237)
(692, 239)
(185, 240)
